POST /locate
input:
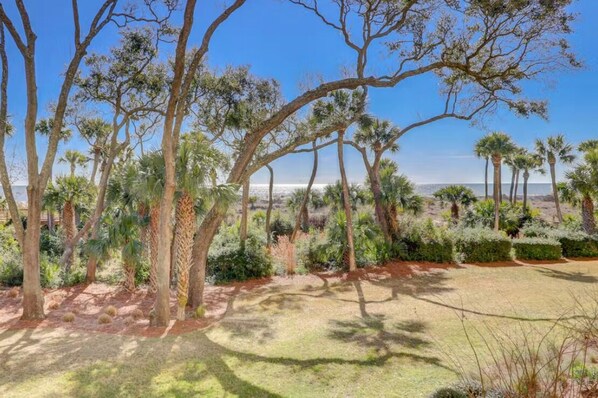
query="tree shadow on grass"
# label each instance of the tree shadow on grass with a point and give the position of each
(580, 277)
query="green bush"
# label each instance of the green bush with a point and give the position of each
(11, 270)
(422, 241)
(511, 217)
(482, 245)
(576, 244)
(537, 249)
(51, 243)
(280, 227)
(239, 265)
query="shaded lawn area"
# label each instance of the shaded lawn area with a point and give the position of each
(390, 332)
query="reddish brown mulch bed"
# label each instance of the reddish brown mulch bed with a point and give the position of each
(88, 302)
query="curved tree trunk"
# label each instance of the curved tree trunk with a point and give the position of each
(351, 262)
(496, 162)
(185, 219)
(381, 214)
(486, 179)
(244, 213)
(269, 209)
(525, 179)
(587, 215)
(154, 236)
(302, 212)
(555, 193)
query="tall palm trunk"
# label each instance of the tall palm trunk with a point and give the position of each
(269, 209)
(302, 219)
(347, 205)
(144, 233)
(244, 213)
(500, 183)
(555, 192)
(455, 212)
(154, 238)
(68, 222)
(496, 162)
(525, 179)
(486, 179)
(129, 269)
(185, 219)
(516, 187)
(512, 188)
(382, 215)
(587, 215)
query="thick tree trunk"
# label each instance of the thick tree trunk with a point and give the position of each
(302, 212)
(525, 179)
(486, 179)
(555, 192)
(379, 209)
(587, 215)
(496, 161)
(154, 235)
(94, 168)
(351, 262)
(129, 269)
(185, 219)
(33, 297)
(244, 213)
(269, 209)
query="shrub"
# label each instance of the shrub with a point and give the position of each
(199, 312)
(137, 314)
(422, 241)
(482, 245)
(280, 227)
(11, 270)
(449, 393)
(511, 217)
(311, 253)
(537, 249)
(53, 305)
(13, 293)
(104, 319)
(576, 244)
(68, 317)
(111, 311)
(51, 243)
(129, 321)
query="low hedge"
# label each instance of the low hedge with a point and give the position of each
(576, 244)
(434, 252)
(537, 249)
(482, 245)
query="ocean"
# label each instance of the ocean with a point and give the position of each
(284, 190)
(538, 189)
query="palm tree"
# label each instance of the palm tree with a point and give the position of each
(581, 189)
(456, 195)
(74, 159)
(398, 194)
(498, 146)
(588, 146)
(482, 152)
(295, 203)
(66, 193)
(301, 208)
(528, 162)
(376, 136)
(195, 161)
(333, 196)
(148, 189)
(509, 160)
(555, 149)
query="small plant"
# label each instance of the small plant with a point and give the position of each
(104, 319)
(53, 305)
(537, 249)
(68, 317)
(137, 314)
(129, 321)
(199, 312)
(13, 293)
(110, 311)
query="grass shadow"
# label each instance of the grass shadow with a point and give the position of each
(579, 277)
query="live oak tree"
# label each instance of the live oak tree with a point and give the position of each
(482, 50)
(25, 39)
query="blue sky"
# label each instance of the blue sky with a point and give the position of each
(281, 41)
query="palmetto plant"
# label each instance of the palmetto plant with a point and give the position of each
(74, 159)
(555, 149)
(195, 163)
(456, 195)
(481, 151)
(65, 194)
(333, 196)
(294, 202)
(498, 145)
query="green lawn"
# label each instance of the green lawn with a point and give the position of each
(377, 337)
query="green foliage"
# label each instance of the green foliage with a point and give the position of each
(576, 244)
(333, 196)
(422, 241)
(456, 194)
(511, 217)
(537, 249)
(11, 270)
(51, 243)
(482, 245)
(280, 227)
